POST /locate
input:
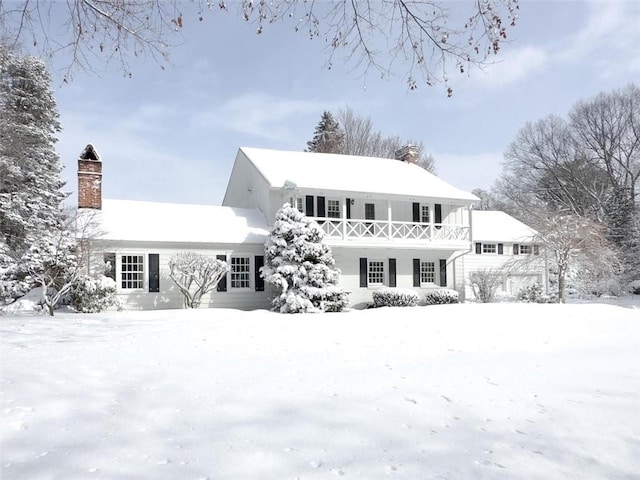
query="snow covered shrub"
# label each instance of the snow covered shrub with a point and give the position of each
(533, 294)
(442, 296)
(301, 266)
(94, 294)
(395, 297)
(484, 284)
(196, 275)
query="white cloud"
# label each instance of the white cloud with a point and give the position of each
(514, 65)
(610, 36)
(267, 117)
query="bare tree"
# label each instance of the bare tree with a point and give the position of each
(196, 275)
(484, 284)
(360, 138)
(418, 40)
(576, 245)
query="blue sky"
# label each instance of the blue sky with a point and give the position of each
(172, 135)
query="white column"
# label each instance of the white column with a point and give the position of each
(344, 219)
(389, 227)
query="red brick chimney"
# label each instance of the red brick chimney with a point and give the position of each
(90, 179)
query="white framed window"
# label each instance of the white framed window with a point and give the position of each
(240, 272)
(489, 248)
(375, 273)
(296, 202)
(424, 213)
(132, 271)
(427, 272)
(526, 250)
(333, 208)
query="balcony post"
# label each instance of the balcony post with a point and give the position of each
(344, 220)
(389, 226)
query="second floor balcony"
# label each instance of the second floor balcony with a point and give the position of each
(339, 231)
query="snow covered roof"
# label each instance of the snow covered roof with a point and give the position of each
(172, 222)
(329, 171)
(494, 226)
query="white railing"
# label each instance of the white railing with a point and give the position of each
(383, 230)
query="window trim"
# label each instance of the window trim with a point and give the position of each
(248, 273)
(489, 248)
(425, 208)
(333, 202)
(382, 273)
(423, 273)
(121, 272)
(525, 249)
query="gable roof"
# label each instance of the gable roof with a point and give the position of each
(172, 222)
(330, 171)
(495, 226)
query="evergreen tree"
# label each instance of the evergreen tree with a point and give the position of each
(301, 266)
(327, 137)
(30, 196)
(30, 184)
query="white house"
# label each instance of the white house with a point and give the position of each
(389, 223)
(504, 246)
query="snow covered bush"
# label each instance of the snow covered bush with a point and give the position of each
(442, 296)
(395, 297)
(94, 294)
(484, 284)
(301, 266)
(196, 275)
(533, 294)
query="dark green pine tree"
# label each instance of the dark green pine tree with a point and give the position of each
(30, 195)
(327, 137)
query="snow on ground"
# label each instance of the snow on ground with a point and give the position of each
(502, 391)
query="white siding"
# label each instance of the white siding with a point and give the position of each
(169, 295)
(517, 270)
(247, 188)
(348, 261)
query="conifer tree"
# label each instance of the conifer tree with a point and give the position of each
(30, 195)
(301, 266)
(327, 137)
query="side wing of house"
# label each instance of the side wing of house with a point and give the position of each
(141, 272)
(506, 247)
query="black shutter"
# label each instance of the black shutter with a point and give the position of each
(392, 272)
(443, 273)
(321, 209)
(478, 248)
(500, 249)
(309, 206)
(348, 203)
(516, 249)
(258, 280)
(416, 272)
(416, 212)
(363, 272)
(154, 272)
(222, 284)
(536, 249)
(438, 214)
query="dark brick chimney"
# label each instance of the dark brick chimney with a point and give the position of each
(90, 179)
(408, 153)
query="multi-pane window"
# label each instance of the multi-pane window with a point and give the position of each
(333, 209)
(489, 248)
(424, 213)
(427, 272)
(376, 272)
(296, 202)
(240, 272)
(369, 211)
(525, 250)
(132, 271)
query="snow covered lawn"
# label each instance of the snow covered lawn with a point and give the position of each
(508, 391)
